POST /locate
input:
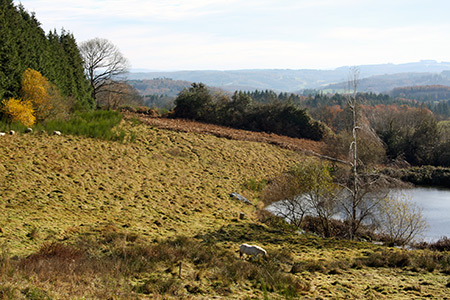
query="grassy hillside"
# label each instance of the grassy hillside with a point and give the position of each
(88, 219)
(55, 183)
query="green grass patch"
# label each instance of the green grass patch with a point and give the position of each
(96, 124)
(6, 126)
(100, 124)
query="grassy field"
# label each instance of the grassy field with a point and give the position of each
(84, 218)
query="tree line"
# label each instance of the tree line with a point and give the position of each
(439, 105)
(241, 111)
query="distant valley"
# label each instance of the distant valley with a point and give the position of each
(374, 78)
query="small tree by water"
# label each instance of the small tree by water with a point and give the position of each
(401, 220)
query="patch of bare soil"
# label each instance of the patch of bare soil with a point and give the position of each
(301, 145)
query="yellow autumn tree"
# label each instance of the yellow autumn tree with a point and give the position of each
(35, 90)
(19, 111)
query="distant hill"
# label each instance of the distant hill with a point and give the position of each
(159, 86)
(278, 80)
(388, 82)
(286, 80)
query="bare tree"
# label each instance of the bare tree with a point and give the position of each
(366, 189)
(354, 186)
(103, 63)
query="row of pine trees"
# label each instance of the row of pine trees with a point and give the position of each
(25, 46)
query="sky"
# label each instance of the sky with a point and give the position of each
(169, 35)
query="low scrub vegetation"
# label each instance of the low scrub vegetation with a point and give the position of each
(101, 124)
(170, 268)
(443, 244)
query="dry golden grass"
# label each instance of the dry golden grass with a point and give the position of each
(90, 219)
(163, 184)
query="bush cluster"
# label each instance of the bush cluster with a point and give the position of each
(198, 103)
(443, 244)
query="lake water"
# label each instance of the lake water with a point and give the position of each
(435, 203)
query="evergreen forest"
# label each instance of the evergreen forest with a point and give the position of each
(55, 55)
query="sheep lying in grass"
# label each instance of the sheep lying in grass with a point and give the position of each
(56, 132)
(251, 250)
(12, 132)
(2, 134)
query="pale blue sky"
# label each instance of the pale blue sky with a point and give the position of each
(257, 34)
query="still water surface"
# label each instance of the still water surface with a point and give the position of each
(436, 210)
(435, 204)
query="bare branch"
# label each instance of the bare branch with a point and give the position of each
(102, 62)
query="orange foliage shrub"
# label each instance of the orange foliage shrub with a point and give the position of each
(19, 111)
(35, 89)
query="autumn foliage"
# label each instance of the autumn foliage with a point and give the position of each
(19, 111)
(35, 89)
(40, 99)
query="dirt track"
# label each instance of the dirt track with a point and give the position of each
(302, 145)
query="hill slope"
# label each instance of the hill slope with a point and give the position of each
(55, 183)
(89, 219)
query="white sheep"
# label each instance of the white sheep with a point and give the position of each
(56, 132)
(251, 250)
(12, 132)
(2, 134)
(28, 130)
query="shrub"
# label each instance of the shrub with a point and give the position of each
(443, 244)
(19, 111)
(33, 293)
(255, 185)
(424, 175)
(386, 258)
(35, 89)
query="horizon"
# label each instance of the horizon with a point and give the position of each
(143, 70)
(176, 35)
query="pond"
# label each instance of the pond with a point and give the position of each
(436, 210)
(435, 204)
